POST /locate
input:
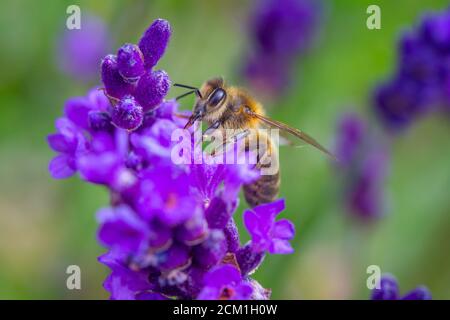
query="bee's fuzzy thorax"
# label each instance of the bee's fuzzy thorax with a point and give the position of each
(245, 100)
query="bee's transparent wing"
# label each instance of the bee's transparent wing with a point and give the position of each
(283, 139)
(295, 132)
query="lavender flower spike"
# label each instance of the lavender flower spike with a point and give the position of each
(169, 229)
(280, 31)
(389, 291)
(363, 167)
(420, 83)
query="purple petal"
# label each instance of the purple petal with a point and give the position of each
(99, 169)
(283, 229)
(222, 275)
(270, 210)
(121, 228)
(66, 127)
(420, 293)
(60, 167)
(242, 292)
(123, 283)
(209, 293)
(259, 230)
(77, 110)
(98, 100)
(279, 246)
(61, 143)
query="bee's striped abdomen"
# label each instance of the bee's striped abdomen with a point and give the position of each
(266, 188)
(263, 190)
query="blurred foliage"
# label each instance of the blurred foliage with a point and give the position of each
(47, 225)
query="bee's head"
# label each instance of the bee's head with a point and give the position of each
(210, 103)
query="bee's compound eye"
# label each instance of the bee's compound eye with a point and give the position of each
(216, 97)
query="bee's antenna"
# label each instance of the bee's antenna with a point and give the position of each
(194, 89)
(184, 94)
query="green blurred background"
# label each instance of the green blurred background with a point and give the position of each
(46, 225)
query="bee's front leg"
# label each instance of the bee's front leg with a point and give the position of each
(213, 127)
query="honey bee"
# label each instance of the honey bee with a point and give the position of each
(226, 107)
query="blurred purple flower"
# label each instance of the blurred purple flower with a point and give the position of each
(80, 50)
(280, 31)
(362, 167)
(421, 82)
(389, 291)
(169, 230)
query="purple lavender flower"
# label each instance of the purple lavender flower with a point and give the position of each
(267, 234)
(280, 31)
(420, 83)
(389, 291)
(362, 167)
(79, 50)
(169, 229)
(225, 283)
